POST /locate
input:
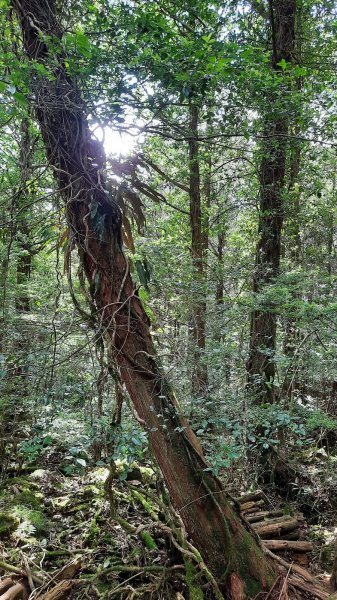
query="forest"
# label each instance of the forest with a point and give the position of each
(168, 308)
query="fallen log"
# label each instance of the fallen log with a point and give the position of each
(16, 592)
(250, 497)
(281, 545)
(295, 568)
(261, 516)
(317, 592)
(60, 591)
(251, 506)
(267, 529)
(279, 520)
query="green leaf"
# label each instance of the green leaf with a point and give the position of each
(283, 64)
(20, 98)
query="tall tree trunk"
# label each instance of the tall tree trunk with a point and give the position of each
(261, 364)
(220, 279)
(225, 544)
(199, 243)
(23, 233)
(291, 333)
(23, 272)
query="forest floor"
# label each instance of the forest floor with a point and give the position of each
(62, 528)
(79, 537)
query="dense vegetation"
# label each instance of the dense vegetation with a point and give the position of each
(168, 290)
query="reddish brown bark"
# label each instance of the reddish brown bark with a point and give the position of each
(227, 548)
(260, 364)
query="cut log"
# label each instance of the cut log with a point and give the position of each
(267, 530)
(251, 506)
(281, 545)
(276, 520)
(261, 516)
(251, 497)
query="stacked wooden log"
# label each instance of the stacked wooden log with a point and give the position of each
(279, 532)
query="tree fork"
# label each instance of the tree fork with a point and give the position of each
(228, 548)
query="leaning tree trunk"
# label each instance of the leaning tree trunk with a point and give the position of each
(227, 547)
(261, 364)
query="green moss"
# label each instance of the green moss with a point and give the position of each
(150, 508)
(32, 518)
(88, 492)
(148, 540)
(108, 539)
(8, 523)
(248, 558)
(38, 520)
(148, 474)
(194, 590)
(23, 482)
(252, 586)
(61, 502)
(77, 508)
(93, 531)
(103, 587)
(135, 553)
(123, 523)
(28, 498)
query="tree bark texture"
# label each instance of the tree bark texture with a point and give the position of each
(260, 364)
(223, 540)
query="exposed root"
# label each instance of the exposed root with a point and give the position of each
(16, 591)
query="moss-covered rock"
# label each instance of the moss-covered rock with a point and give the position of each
(28, 498)
(87, 492)
(31, 521)
(8, 524)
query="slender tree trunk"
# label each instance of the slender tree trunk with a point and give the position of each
(199, 243)
(261, 364)
(23, 271)
(23, 233)
(223, 540)
(291, 334)
(220, 280)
